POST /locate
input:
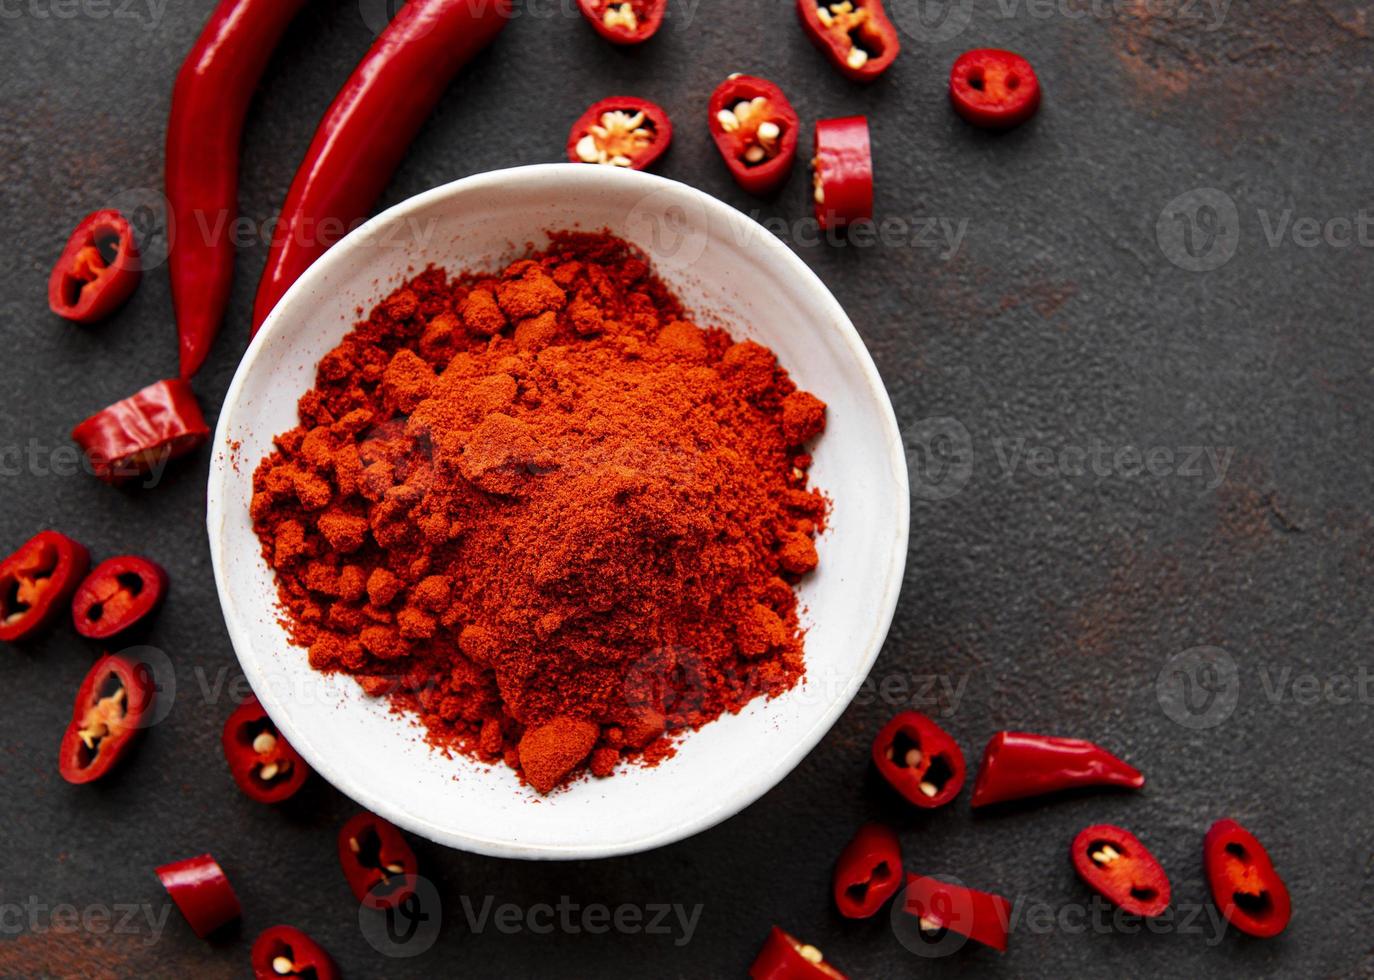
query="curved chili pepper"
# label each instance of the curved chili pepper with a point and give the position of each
(785, 958)
(621, 131)
(994, 89)
(143, 432)
(856, 35)
(624, 21)
(869, 872)
(377, 861)
(1244, 884)
(920, 760)
(111, 707)
(369, 127)
(117, 596)
(1017, 766)
(202, 892)
(1116, 865)
(283, 951)
(263, 763)
(98, 270)
(983, 917)
(842, 176)
(209, 104)
(37, 581)
(756, 130)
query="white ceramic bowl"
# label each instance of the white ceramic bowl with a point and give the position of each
(724, 266)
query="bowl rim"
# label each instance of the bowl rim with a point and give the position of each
(278, 708)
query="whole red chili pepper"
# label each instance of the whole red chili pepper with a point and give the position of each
(869, 872)
(621, 131)
(377, 861)
(369, 127)
(856, 35)
(209, 104)
(983, 917)
(283, 951)
(263, 763)
(118, 595)
(756, 130)
(98, 270)
(36, 582)
(842, 175)
(1244, 884)
(920, 760)
(110, 710)
(1116, 865)
(624, 21)
(202, 892)
(1017, 766)
(143, 432)
(993, 88)
(785, 958)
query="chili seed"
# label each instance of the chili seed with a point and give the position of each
(929, 789)
(913, 758)
(728, 120)
(857, 58)
(769, 132)
(283, 965)
(264, 743)
(268, 771)
(587, 151)
(811, 954)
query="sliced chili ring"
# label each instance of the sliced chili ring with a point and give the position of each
(786, 958)
(202, 892)
(1245, 886)
(624, 21)
(144, 431)
(856, 35)
(377, 861)
(981, 916)
(994, 89)
(621, 131)
(37, 581)
(118, 595)
(98, 271)
(284, 951)
(111, 708)
(842, 172)
(756, 130)
(1115, 864)
(263, 764)
(869, 872)
(920, 760)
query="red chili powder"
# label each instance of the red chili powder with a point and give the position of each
(547, 513)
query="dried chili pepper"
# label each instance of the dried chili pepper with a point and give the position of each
(920, 760)
(209, 104)
(983, 917)
(1116, 865)
(264, 764)
(756, 130)
(36, 582)
(621, 131)
(98, 270)
(1244, 884)
(869, 872)
(283, 951)
(377, 861)
(369, 127)
(118, 595)
(111, 708)
(785, 958)
(994, 89)
(202, 892)
(143, 432)
(1017, 766)
(856, 35)
(624, 21)
(842, 172)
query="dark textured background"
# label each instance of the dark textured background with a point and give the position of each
(1049, 600)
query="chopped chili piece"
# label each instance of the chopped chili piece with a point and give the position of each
(1017, 766)
(624, 21)
(143, 432)
(36, 582)
(98, 271)
(1116, 865)
(756, 130)
(202, 892)
(1245, 886)
(842, 174)
(377, 861)
(983, 917)
(856, 35)
(869, 872)
(621, 131)
(118, 595)
(110, 709)
(785, 958)
(283, 951)
(920, 760)
(264, 764)
(994, 89)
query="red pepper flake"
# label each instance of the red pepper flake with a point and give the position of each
(37, 581)
(869, 872)
(111, 707)
(981, 916)
(1116, 865)
(377, 862)
(98, 271)
(756, 130)
(263, 764)
(994, 89)
(118, 595)
(1017, 766)
(144, 432)
(920, 760)
(856, 35)
(842, 172)
(202, 892)
(1248, 891)
(283, 951)
(786, 958)
(624, 21)
(621, 131)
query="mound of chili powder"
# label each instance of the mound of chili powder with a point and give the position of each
(547, 513)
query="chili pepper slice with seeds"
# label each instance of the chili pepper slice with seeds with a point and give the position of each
(920, 760)
(377, 861)
(263, 763)
(1116, 865)
(856, 35)
(98, 270)
(842, 172)
(37, 581)
(621, 131)
(118, 595)
(939, 905)
(142, 432)
(284, 951)
(1245, 886)
(111, 708)
(1017, 765)
(756, 130)
(869, 872)
(624, 21)
(202, 892)
(785, 958)
(994, 89)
